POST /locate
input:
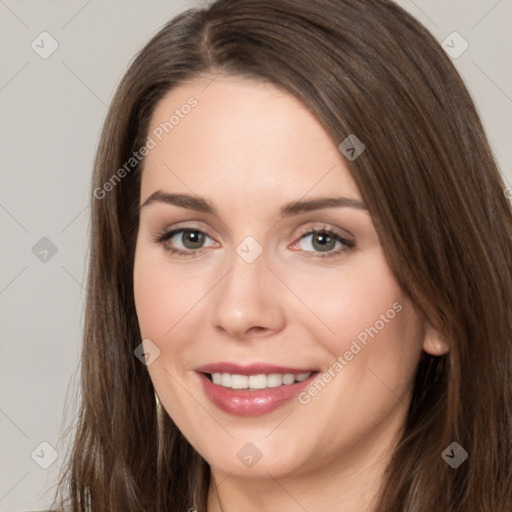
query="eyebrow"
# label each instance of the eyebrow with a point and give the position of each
(294, 208)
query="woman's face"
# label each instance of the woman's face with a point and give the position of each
(278, 284)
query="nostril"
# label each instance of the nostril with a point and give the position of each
(257, 330)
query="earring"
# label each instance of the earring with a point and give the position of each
(159, 408)
(159, 425)
(159, 412)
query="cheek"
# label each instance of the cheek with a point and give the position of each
(163, 297)
(371, 331)
(360, 301)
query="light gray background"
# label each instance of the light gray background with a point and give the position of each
(52, 111)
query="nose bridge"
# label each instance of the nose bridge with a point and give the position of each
(245, 297)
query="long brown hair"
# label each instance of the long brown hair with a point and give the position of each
(436, 197)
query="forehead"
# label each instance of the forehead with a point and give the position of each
(241, 135)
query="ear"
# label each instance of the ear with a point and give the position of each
(433, 342)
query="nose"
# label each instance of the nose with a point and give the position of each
(247, 302)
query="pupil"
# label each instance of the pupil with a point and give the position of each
(192, 239)
(326, 242)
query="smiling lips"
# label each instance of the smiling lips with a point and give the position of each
(254, 389)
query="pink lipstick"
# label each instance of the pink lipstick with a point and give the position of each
(254, 389)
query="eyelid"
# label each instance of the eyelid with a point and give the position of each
(315, 227)
(186, 225)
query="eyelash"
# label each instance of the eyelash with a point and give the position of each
(163, 236)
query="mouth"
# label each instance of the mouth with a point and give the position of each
(252, 390)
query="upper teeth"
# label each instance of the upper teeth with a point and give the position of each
(261, 381)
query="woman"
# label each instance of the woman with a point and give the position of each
(300, 278)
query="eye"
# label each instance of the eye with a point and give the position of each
(185, 242)
(323, 242)
(316, 242)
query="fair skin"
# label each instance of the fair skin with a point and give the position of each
(249, 148)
